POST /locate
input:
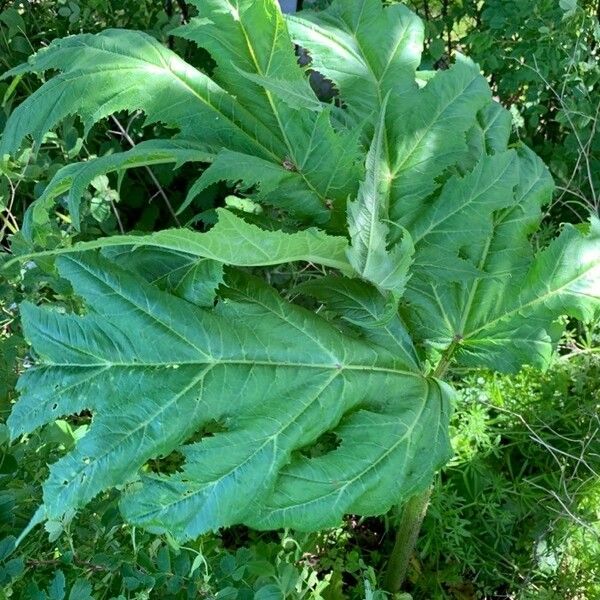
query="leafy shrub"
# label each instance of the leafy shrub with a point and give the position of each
(205, 383)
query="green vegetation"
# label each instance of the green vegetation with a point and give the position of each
(248, 306)
(542, 60)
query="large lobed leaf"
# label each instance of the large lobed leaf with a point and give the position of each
(128, 70)
(239, 109)
(438, 255)
(478, 290)
(182, 368)
(348, 45)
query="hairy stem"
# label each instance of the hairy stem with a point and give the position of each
(412, 517)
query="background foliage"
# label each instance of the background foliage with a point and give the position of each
(516, 514)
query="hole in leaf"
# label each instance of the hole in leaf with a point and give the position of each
(173, 462)
(323, 87)
(211, 428)
(325, 443)
(82, 418)
(462, 253)
(167, 465)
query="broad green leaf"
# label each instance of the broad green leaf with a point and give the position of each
(426, 128)
(368, 224)
(154, 370)
(248, 36)
(251, 37)
(427, 133)
(346, 44)
(459, 222)
(127, 70)
(364, 307)
(506, 317)
(231, 241)
(519, 327)
(177, 354)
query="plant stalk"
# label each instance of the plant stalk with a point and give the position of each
(407, 534)
(413, 512)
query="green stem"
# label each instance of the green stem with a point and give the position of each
(413, 514)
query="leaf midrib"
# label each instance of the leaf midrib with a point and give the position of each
(289, 145)
(173, 365)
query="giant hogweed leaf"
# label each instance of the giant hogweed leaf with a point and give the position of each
(436, 305)
(427, 133)
(459, 221)
(154, 370)
(231, 241)
(127, 70)
(255, 61)
(247, 36)
(426, 127)
(506, 317)
(124, 70)
(368, 228)
(346, 45)
(74, 179)
(519, 326)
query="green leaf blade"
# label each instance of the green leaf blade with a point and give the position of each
(125, 70)
(231, 241)
(182, 367)
(367, 224)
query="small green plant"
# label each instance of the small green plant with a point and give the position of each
(206, 391)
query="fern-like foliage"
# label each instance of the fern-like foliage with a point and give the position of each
(426, 216)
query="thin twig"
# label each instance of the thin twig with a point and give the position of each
(583, 149)
(155, 181)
